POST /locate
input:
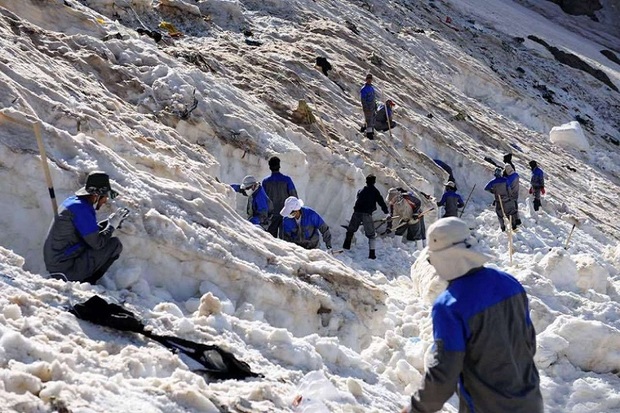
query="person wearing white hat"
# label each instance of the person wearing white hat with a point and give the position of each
(259, 207)
(302, 225)
(484, 339)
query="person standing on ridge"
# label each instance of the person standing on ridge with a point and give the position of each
(365, 204)
(537, 183)
(503, 205)
(451, 200)
(484, 339)
(259, 207)
(369, 106)
(512, 184)
(278, 187)
(77, 247)
(301, 225)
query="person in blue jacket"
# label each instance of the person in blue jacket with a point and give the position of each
(369, 106)
(278, 187)
(484, 339)
(77, 247)
(301, 225)
(537, 183)
(259, 207)
(451, 200)
(504, 208)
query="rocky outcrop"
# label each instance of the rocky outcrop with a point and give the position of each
(579, 7)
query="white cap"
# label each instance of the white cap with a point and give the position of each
(449, 243)
(291, 204)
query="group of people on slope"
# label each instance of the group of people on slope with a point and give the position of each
(484, 339)
(505, 188)
(274, 205)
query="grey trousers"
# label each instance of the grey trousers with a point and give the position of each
(92, 262)
(360, 218)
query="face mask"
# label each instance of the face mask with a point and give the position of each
(250, 191)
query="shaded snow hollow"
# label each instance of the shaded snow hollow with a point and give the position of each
(174, 122)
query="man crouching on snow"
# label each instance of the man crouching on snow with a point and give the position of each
(484, 338)
(78, 248)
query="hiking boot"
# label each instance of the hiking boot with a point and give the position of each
(518, 221)
(347, 242)
(371, 255)
(370, 135)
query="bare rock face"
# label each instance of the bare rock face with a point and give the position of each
(579, 7)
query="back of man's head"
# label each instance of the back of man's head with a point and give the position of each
(274, 164)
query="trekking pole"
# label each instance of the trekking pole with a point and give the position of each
(36, 126)
(509, 229)
(469, 196)
(46, 169)
(387, 116)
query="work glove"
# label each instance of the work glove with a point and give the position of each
(116, 218)
(330, 251)
(542, 190)
(531, 190)
(388, 217)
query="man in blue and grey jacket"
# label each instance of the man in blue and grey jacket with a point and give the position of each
(484, 339)
(77, 247)
(369, 106)
(278, 187)
(259, 208)
(302, 225)
(451, 201)
(537, 183)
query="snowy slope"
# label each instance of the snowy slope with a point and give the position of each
(174, 122)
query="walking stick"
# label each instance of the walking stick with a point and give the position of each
(36, 126)
(46, 169)
(469, 196)
(387, 116)
(509, 229)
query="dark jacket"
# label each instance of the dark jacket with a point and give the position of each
(279, 187)
(306, 232)
(367, 199)
(484, 347)
(381, 118)
(74, 230)
(451, 201)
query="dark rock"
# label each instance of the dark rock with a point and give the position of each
(323, 64)
(579, 7)
(571, 60)
(611, 56)
(254, 43)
